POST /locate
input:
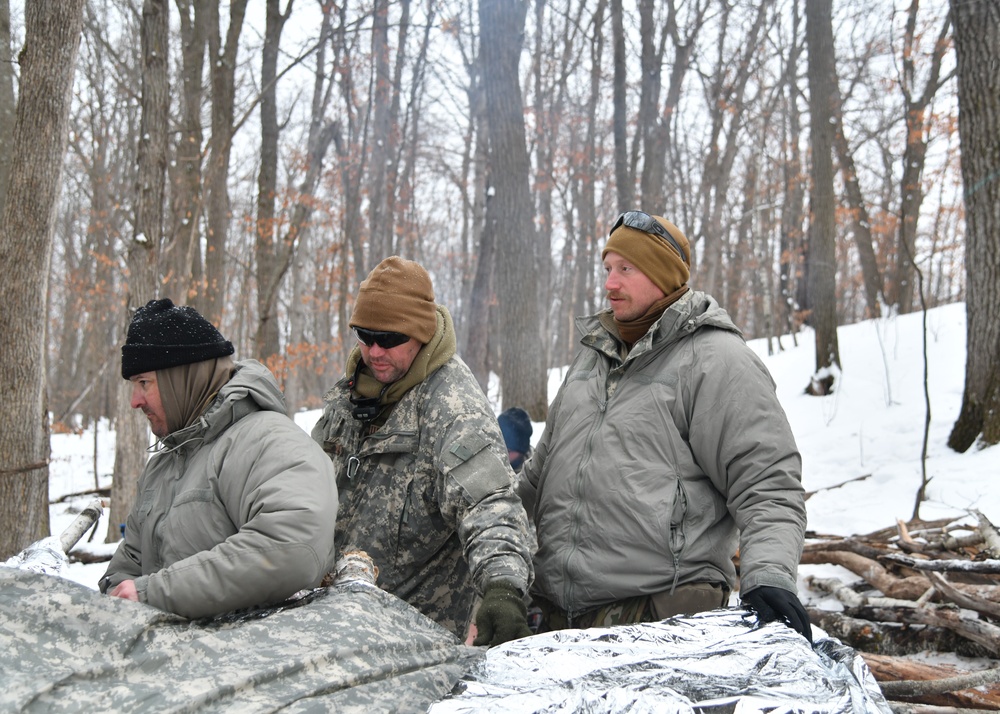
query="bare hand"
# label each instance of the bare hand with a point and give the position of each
(126, 590)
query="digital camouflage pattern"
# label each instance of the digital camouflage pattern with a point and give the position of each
(429, 495)
(349, 648)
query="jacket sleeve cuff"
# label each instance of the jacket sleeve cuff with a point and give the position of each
(752, 581)
(141, 584)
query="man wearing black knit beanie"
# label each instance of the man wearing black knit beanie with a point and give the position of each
(664, 452)
(234, 507)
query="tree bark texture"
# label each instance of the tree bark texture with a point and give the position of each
(222, 69)
(48, 62)
(510, 210)
(860, 221)
(977, 34)
(267, 250)
(793, 194)
(481, 292)
(624, 175)
(181, 255)
(822, 254)
(143, 248)
(918, 119)
(7, 105)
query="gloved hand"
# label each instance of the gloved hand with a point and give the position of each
(772, 604)
(502, 615)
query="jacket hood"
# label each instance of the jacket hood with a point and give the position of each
(252, 388)
(692, 312)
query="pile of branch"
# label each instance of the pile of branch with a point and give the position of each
(926, 586)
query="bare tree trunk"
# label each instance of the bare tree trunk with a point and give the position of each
(143, 249)
(586, 237)
(727, 100)
(822, 255)
(183, 269)
(222, 68)
(482, 287)
(48, 62)
(918, 122)
(790, 261)
(522, 374)
(977, 35)
(385, 130)
(266, 251)
(624, 176)
(7, 105)
(859, 218)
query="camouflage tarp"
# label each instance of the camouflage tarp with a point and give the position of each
(352, 647)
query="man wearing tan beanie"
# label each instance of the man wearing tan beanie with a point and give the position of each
(425, 486)
(665, 450)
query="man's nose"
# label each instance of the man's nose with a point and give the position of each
(137, 398)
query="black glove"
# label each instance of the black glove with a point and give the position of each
(502, 615)
(770, 604)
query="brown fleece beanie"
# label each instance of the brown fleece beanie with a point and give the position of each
(397, 296)
(651, 254)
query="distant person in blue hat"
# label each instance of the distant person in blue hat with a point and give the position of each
(516, 427)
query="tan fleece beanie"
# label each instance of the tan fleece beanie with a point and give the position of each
(651, 254)
(397, 296)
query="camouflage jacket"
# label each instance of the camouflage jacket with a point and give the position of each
(429, 495)
(654, 468)
(234, 511)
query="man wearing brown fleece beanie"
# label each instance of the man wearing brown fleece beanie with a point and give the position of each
(425, 486)
(665, 450)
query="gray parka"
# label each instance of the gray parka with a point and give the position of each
(652, 470)
(236, 510)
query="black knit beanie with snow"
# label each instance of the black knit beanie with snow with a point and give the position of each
(163, 335)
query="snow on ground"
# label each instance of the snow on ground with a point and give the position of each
(872, 427)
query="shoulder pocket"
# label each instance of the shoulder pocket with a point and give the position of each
(474, 466)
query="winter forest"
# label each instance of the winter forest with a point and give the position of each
(829, 160)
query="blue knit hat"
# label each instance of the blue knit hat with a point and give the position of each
(516, 427)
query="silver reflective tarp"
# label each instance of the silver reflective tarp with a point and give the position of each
(714, 662)
(44, 556)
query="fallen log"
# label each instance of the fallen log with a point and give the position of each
(986, 604)
(991, 536)
(942, 685)
(983, 567)
(890, 638)
(978, 631)
(876, 575)
(908, 708)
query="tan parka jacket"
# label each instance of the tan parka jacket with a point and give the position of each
(653, 469)
(236, 510)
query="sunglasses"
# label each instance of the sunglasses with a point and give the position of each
(647, 224)
(385, 340)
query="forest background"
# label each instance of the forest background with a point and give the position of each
(257, 159)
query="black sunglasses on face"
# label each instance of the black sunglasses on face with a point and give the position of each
(647, 224)
(385, 340)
